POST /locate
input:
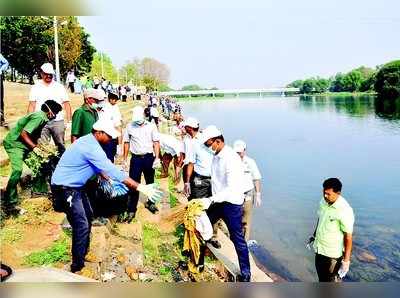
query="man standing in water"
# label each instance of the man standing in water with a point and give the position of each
(333, 235)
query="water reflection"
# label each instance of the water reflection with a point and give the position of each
(356, 106)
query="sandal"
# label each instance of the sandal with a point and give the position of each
(8, 270)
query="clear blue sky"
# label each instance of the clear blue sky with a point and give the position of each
(252, 43)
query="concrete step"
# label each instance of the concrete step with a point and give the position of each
(46, 275)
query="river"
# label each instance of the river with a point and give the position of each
(297, 143)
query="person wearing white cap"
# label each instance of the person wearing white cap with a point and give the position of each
(85, 116)
(197, 176)
(48, 89)
(142, 139)
(252, 184)
(227, 198)
(82, 160)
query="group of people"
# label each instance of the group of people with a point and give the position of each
(223, 179)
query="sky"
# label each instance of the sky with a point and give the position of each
(248, 44)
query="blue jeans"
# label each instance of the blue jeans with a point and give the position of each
(231, 214)
(140, 164)
(110, 149)
(80, 215)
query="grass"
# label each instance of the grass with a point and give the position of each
(173, 201)
(57, 253)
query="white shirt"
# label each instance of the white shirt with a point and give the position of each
(198, 155)
(227, 176)
(251, 172)
(170, 144)
(40, 92)
(112, 113)
(141, 138)
(70, 77)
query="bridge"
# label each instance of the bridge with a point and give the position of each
(236, 92)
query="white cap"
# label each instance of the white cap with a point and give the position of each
(239, 146)
(209, 132)
(191, 122)
(107, 126)
(94, 93)
(47, 68)
(137, 113)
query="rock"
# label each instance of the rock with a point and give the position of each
(365, 256)
(131, 231)
(131, 272)
(107, 276)
(99, 244)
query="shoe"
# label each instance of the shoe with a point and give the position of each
(243, 278)
(215, 243)
(99, 221)
(151, 207)
(75, 268)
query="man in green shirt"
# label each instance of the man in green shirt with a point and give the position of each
(18, 143)
(333, 235)
(84, 117)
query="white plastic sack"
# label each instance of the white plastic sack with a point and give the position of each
(204, 227)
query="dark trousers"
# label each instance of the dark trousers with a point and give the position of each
(80, 215)
(110, 149)
(71, 87)
(231, 214)
(327, 268)
(200, 186)
(2, 113)
(140, 164)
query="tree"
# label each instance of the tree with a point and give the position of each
(84, 62)
(130, 70)
(150, 82)
(192, 87)
(154, 68)
(110, 72)
(321, 85)
(387, 83)
(308, 86)
(25, 43)
(352, 81)
(295, 84)
(338, 84)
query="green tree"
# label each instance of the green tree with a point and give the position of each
(387, 83)
(25, 43)
(321, 85)
(130, 71)
(295, 84)
(150, 82)
(110, 72)
(338, 83)
(192, 87)
(84, 62)
(352, 81)
(308, 86)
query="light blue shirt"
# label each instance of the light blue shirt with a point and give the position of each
(82, 160)
(200, 157)
(3, 64)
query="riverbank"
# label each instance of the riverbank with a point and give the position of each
(340, 94)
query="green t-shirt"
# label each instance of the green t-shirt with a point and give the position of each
(32, 123)
(82, 121)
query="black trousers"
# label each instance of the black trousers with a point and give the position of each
(80, 215)
(200, 186)
(110, 149)
(140, 164)
(2, 113)
(327, 268)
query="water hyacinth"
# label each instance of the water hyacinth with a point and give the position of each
(35, 162)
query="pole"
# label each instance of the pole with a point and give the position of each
(56, 49)
(102, 67)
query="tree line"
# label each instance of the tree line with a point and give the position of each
(27, 42)
(384, 80)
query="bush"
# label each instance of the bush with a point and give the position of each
(387, 83)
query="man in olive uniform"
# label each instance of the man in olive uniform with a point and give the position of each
(18, 143)
(85, 116)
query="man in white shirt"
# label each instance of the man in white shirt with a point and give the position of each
(226, 202)
(71, 80)
(48, 89)
(142, 139)
(173, 149)
(110, 111)
(252, 184)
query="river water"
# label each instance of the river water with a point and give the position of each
(297, 143)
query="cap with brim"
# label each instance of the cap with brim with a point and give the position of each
(47, 68)
(191, 122)
(239, 146)
(106, 126)
(94, 93)
(209, 132)
(137, 113)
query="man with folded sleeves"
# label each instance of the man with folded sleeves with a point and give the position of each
(226, 202)
(142, 139)
(82, 160)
